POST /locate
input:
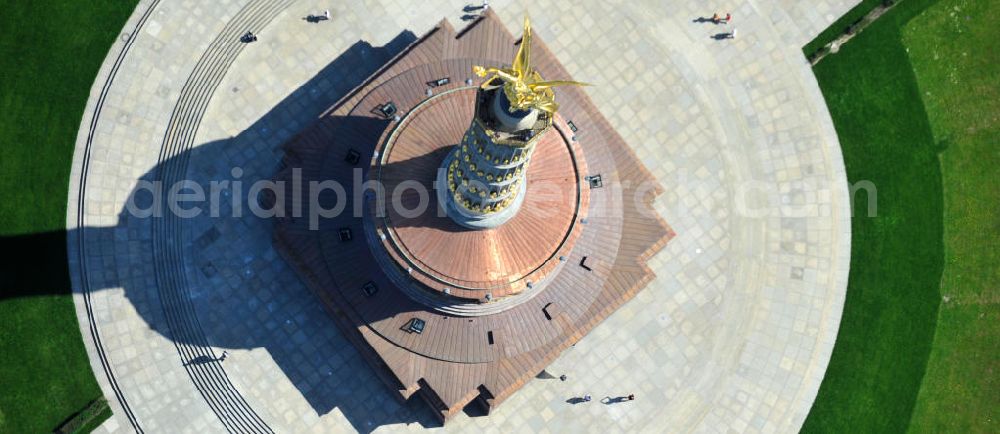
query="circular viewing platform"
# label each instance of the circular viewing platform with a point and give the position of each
(454, 261)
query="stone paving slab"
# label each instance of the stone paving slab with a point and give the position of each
(734, 334)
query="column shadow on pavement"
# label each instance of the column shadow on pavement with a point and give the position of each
(244, 295)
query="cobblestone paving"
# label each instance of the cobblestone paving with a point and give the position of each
(734, 334)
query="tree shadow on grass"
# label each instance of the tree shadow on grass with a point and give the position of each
(35, 265)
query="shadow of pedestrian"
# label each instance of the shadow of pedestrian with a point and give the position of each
(315, 18)
(545, 375)
(607, 400)
(200, 360)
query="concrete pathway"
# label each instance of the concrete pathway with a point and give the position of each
(734, 334)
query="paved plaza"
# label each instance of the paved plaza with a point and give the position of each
(734, 334)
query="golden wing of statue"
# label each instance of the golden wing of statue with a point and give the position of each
(554, 83)
(523, 86)
(522, 59)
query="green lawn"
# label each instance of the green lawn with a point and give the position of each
(954, 47)
(50, 52)
(896, 258)
(935, 233)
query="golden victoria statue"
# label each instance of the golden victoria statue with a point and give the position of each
(522, 85)
(486, 173)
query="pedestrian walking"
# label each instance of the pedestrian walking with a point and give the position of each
(728, 17)
(631, 397)
(562, 377)
(586, 398)
(326, 14)
(223, 356)
(732, 35)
